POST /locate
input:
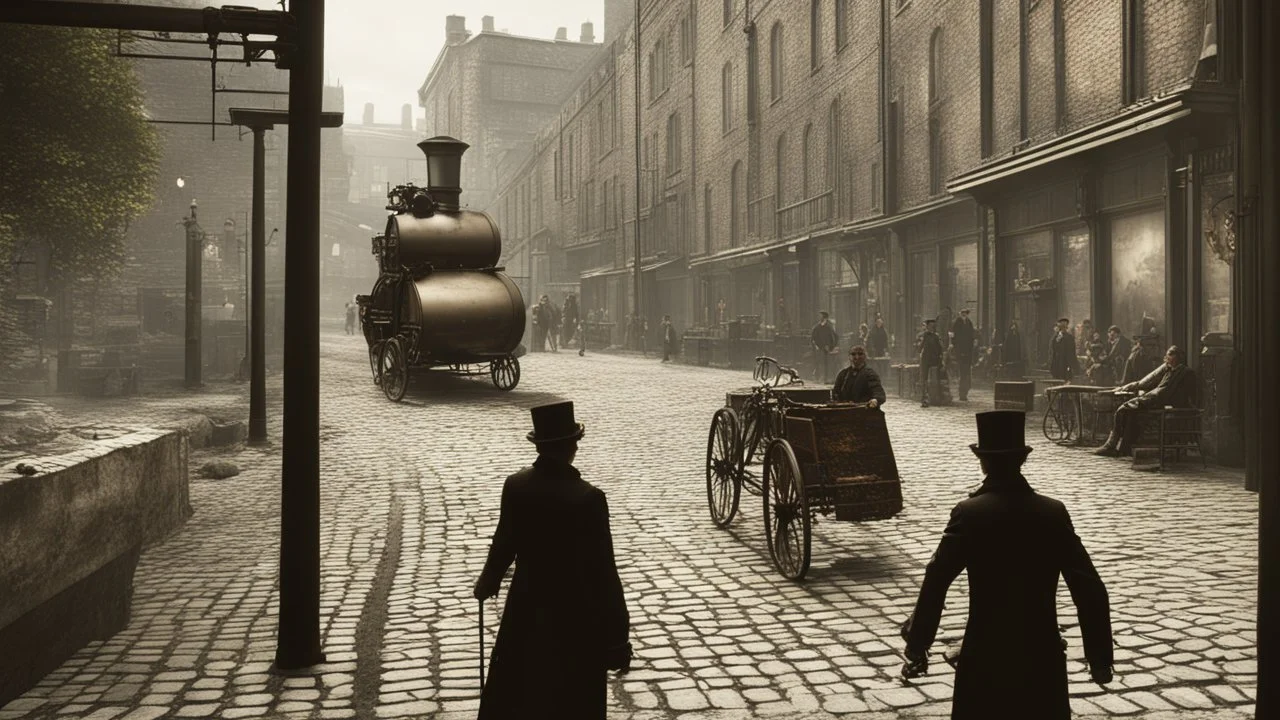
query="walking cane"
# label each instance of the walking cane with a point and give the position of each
(482, 645)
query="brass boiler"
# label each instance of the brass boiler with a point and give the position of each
(463, 314)
(445, 240)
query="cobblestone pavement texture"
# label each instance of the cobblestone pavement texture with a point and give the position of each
(410, 496)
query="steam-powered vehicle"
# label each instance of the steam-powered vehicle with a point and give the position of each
(440, 300)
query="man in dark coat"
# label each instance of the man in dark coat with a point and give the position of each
(963, 340)
(859, 382)
(1118, 347)
(1014, 543)
(878, 340)
(565, 623)
(824, 340)
(930, 357)
(1172, 384)
(669, 339)
(1062, 351)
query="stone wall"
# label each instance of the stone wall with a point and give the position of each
(71, 535)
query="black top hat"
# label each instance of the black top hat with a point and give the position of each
(554, 422)
(1001, 431)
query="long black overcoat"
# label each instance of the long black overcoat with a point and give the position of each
(1062, 355)
(1014, 544)
(565, 606)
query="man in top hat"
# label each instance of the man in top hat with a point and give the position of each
(1062, 351)
(1014, 543)
(964, 338)
(825, 341)
(930, 357)
(565, 623)
(669, 339)
(859, 382)
(1171, 384)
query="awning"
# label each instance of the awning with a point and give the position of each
(602, 272)
(880, 223)
(1141, 119)
(744, 251)
(658, 264)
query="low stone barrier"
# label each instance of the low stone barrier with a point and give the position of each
(70, 538)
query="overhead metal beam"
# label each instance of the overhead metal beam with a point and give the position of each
(244, 21)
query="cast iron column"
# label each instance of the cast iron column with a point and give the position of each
(195, 258)
(635, 313)
(258, 333)
(298, 636)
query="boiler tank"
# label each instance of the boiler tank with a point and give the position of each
(464, 314)
(444, 240)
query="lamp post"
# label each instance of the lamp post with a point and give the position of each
(195, 256)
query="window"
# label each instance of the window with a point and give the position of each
(935, 65)
(815, 33)
(686, 41)
(831, 171)
(842, 23)
(775, 62)
(806, 161)
(1075, 275)
(779, 169)
(1138, 271)
(877, 186)
(706, 217)
(726, 98)
(557, 172)
(729, 11)
(652, 77)
(569, 168)
(673, 144)
(736, 204)
(935, 156)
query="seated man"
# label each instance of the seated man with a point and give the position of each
(859, 382)
(1172, 384)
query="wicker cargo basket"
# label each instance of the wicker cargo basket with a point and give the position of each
(847, 459)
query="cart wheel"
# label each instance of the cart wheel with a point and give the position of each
(505, 372)
(375, 351)
(724, 484)
(786, 511)
(395, 369)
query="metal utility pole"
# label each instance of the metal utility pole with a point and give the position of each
(195, 297)
(635, 314)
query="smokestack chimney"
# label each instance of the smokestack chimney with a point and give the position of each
(406, 116)
(587, 35)
(368, 113)
(486, 23)
(444, 170)
(562, 33)
(455, 30)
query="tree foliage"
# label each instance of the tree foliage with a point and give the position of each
(78, 159)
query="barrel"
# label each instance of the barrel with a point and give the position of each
(443, 240)
(464, 314)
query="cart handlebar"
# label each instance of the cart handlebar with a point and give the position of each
(770, 372)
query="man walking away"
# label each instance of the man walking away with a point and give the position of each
(963, 339)
(1014, 543)
(565, 624)
(824, 340)
(669, 339)
(930, 358)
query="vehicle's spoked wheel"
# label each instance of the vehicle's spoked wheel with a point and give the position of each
(786, 511)
(375, 351)
(724, 486)
(395, 369)
(505, 372)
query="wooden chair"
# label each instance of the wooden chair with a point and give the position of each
(1171, 429)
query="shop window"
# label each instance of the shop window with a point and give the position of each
(923, 287)
(1075, 277)
(1138, 272)
(959, 282)
(1032, 262)
(1217, 253)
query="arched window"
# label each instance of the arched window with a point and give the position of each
(832, 169)
(842, 23)
(815, 33)
(779, 171)
(728, 10)
(806, 159)
(706, 217)
(775, 61)
(726, 98)
(935, 64)
(736, 204)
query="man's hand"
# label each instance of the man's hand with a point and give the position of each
(873, 404)
(484, 589)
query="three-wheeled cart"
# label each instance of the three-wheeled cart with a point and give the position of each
(816, 458)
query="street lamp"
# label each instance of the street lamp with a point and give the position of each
(181, 183)
(195, 256)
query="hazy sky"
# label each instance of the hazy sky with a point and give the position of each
(381, 50)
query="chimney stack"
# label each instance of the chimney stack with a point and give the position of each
(368, 113)
(455, 30)
(406, 117)
(486, 23)
(444, 170)
(562, 33)
(587, 35)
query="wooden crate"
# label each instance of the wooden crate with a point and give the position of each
(849, 458)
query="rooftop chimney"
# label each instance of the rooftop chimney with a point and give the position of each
(486, 23)
(368, 113)
(587, 35)
(406, 116)
(562, 33)
(455, 30)
(444, 170)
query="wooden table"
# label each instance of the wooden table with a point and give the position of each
(1065, 425)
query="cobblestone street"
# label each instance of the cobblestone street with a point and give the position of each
(410, 496)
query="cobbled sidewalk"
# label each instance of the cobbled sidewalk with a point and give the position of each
(410, 496)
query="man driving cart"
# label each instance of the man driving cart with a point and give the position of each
(859, 382)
